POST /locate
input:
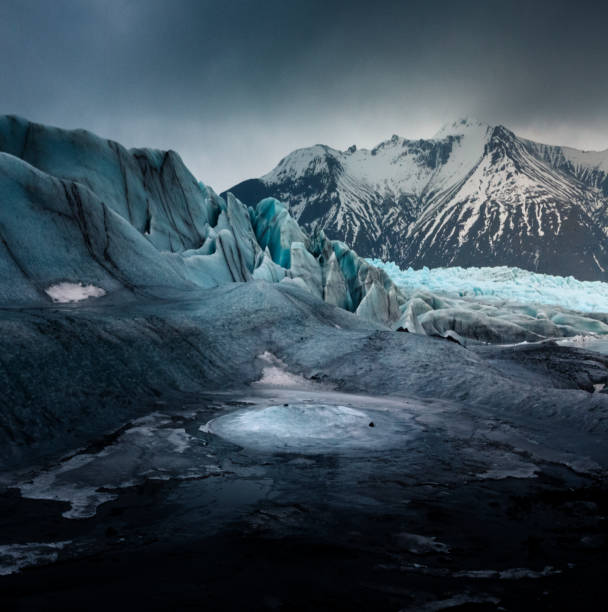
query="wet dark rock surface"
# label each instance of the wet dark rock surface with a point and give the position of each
(315, 556)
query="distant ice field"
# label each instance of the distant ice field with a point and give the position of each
(502, 282)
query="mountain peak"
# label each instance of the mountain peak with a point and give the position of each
(460, 127)
(474, 194)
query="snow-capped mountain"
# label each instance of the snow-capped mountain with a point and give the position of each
(473, 195)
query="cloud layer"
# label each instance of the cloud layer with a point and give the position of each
(235, 85)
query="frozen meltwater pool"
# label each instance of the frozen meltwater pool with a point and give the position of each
(312, 428)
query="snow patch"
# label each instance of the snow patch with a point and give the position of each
(14, 557)
(275, 374)
(64, 293)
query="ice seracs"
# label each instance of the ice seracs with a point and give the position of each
(136, 222)
(502, 282)
(497, 305)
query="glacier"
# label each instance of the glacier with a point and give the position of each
(172, 267)
(210, 402)
(497, 305)
(506, 283)
(81, 211)
(136, 225)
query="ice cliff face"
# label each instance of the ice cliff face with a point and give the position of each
(498, 305)
(474, 195)
(78, 211)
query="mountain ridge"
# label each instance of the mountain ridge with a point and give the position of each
(539, 207)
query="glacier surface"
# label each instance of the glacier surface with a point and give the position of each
(103, 401)
(503, 282)
(497, 305)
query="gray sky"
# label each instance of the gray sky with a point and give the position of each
(234, 85)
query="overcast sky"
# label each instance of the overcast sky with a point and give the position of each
(234, 85)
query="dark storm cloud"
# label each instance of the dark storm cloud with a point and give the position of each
(235, 85)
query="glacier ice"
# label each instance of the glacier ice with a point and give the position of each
(336, 291)
(277, 230)
(79, 210)
(503, 283)
(497, 305)
(152, 190)
(305, 266)
(267, 270)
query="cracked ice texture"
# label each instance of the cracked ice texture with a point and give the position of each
(502, 282)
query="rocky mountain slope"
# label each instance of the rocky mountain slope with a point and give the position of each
(474, 195)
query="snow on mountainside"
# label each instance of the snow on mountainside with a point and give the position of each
(474, 195)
